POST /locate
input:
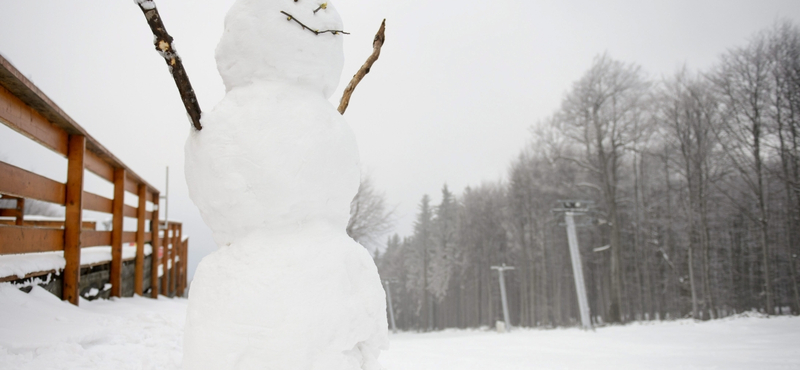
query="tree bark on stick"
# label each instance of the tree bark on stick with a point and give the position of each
(163, 43)
(377, 43)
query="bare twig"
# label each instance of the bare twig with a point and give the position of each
(163, 43)
(316, 32)
(377, 43)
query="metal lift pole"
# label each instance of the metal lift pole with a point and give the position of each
(501, 269)
(391, 308)
(577, 270)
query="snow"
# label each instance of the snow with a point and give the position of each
(273, 172)
(741, 343)
(39, 331)
(93, 255)
(23, 264)
(38, 218)
(146, 4)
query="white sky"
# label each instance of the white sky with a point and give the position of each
(451, 99)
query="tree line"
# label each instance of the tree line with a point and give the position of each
(695, 184)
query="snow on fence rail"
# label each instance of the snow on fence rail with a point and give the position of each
(27, 110)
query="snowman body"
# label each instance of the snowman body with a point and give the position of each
(273, 172)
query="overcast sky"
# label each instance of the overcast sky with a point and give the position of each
(451, 99)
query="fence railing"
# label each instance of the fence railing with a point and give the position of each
(25, 109)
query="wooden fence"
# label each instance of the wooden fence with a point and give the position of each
(25, 109)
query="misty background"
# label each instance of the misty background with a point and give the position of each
(451, 100)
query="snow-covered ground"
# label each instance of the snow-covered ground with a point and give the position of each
(738, 343)
(38, 331)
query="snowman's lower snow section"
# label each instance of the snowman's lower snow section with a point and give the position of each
(310, 301)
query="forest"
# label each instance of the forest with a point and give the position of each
(693, 187)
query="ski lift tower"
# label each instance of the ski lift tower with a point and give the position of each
(387, 283)
(572, 208)
(500, 270)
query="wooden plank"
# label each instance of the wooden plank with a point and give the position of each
(26, 239)
(128, 237)
(30, 275)
(25, 184)
(148, 215)
(128, 211)
(86, 225)
(94, 202)
(8, 212)
(27, 121)
(115, 273)
(74, 215)
(99, 167)
(138, 275)
(131, 186)
(148, 237)
(154, 260)
(95, 238)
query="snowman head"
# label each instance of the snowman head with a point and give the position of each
(264, 41)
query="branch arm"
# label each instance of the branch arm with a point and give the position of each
(163, 43)
(377, 43)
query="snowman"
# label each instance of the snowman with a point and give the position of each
(273, 172)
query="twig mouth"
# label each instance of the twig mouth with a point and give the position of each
(316, 32)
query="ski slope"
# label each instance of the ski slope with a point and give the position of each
(38, 331)
(736, 343)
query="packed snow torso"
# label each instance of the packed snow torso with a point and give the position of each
(272, 158)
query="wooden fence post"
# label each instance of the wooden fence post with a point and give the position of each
(20, 221)
(154, 242)
(138, 282)
(176, 242)
(74, 215)
(164, 259)
(179, 274)
(184, 264)
(115, 275)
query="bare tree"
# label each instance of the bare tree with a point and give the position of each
(370, 219)
(601, 114)
(689, 110)
(784, 50)
(743, 82)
